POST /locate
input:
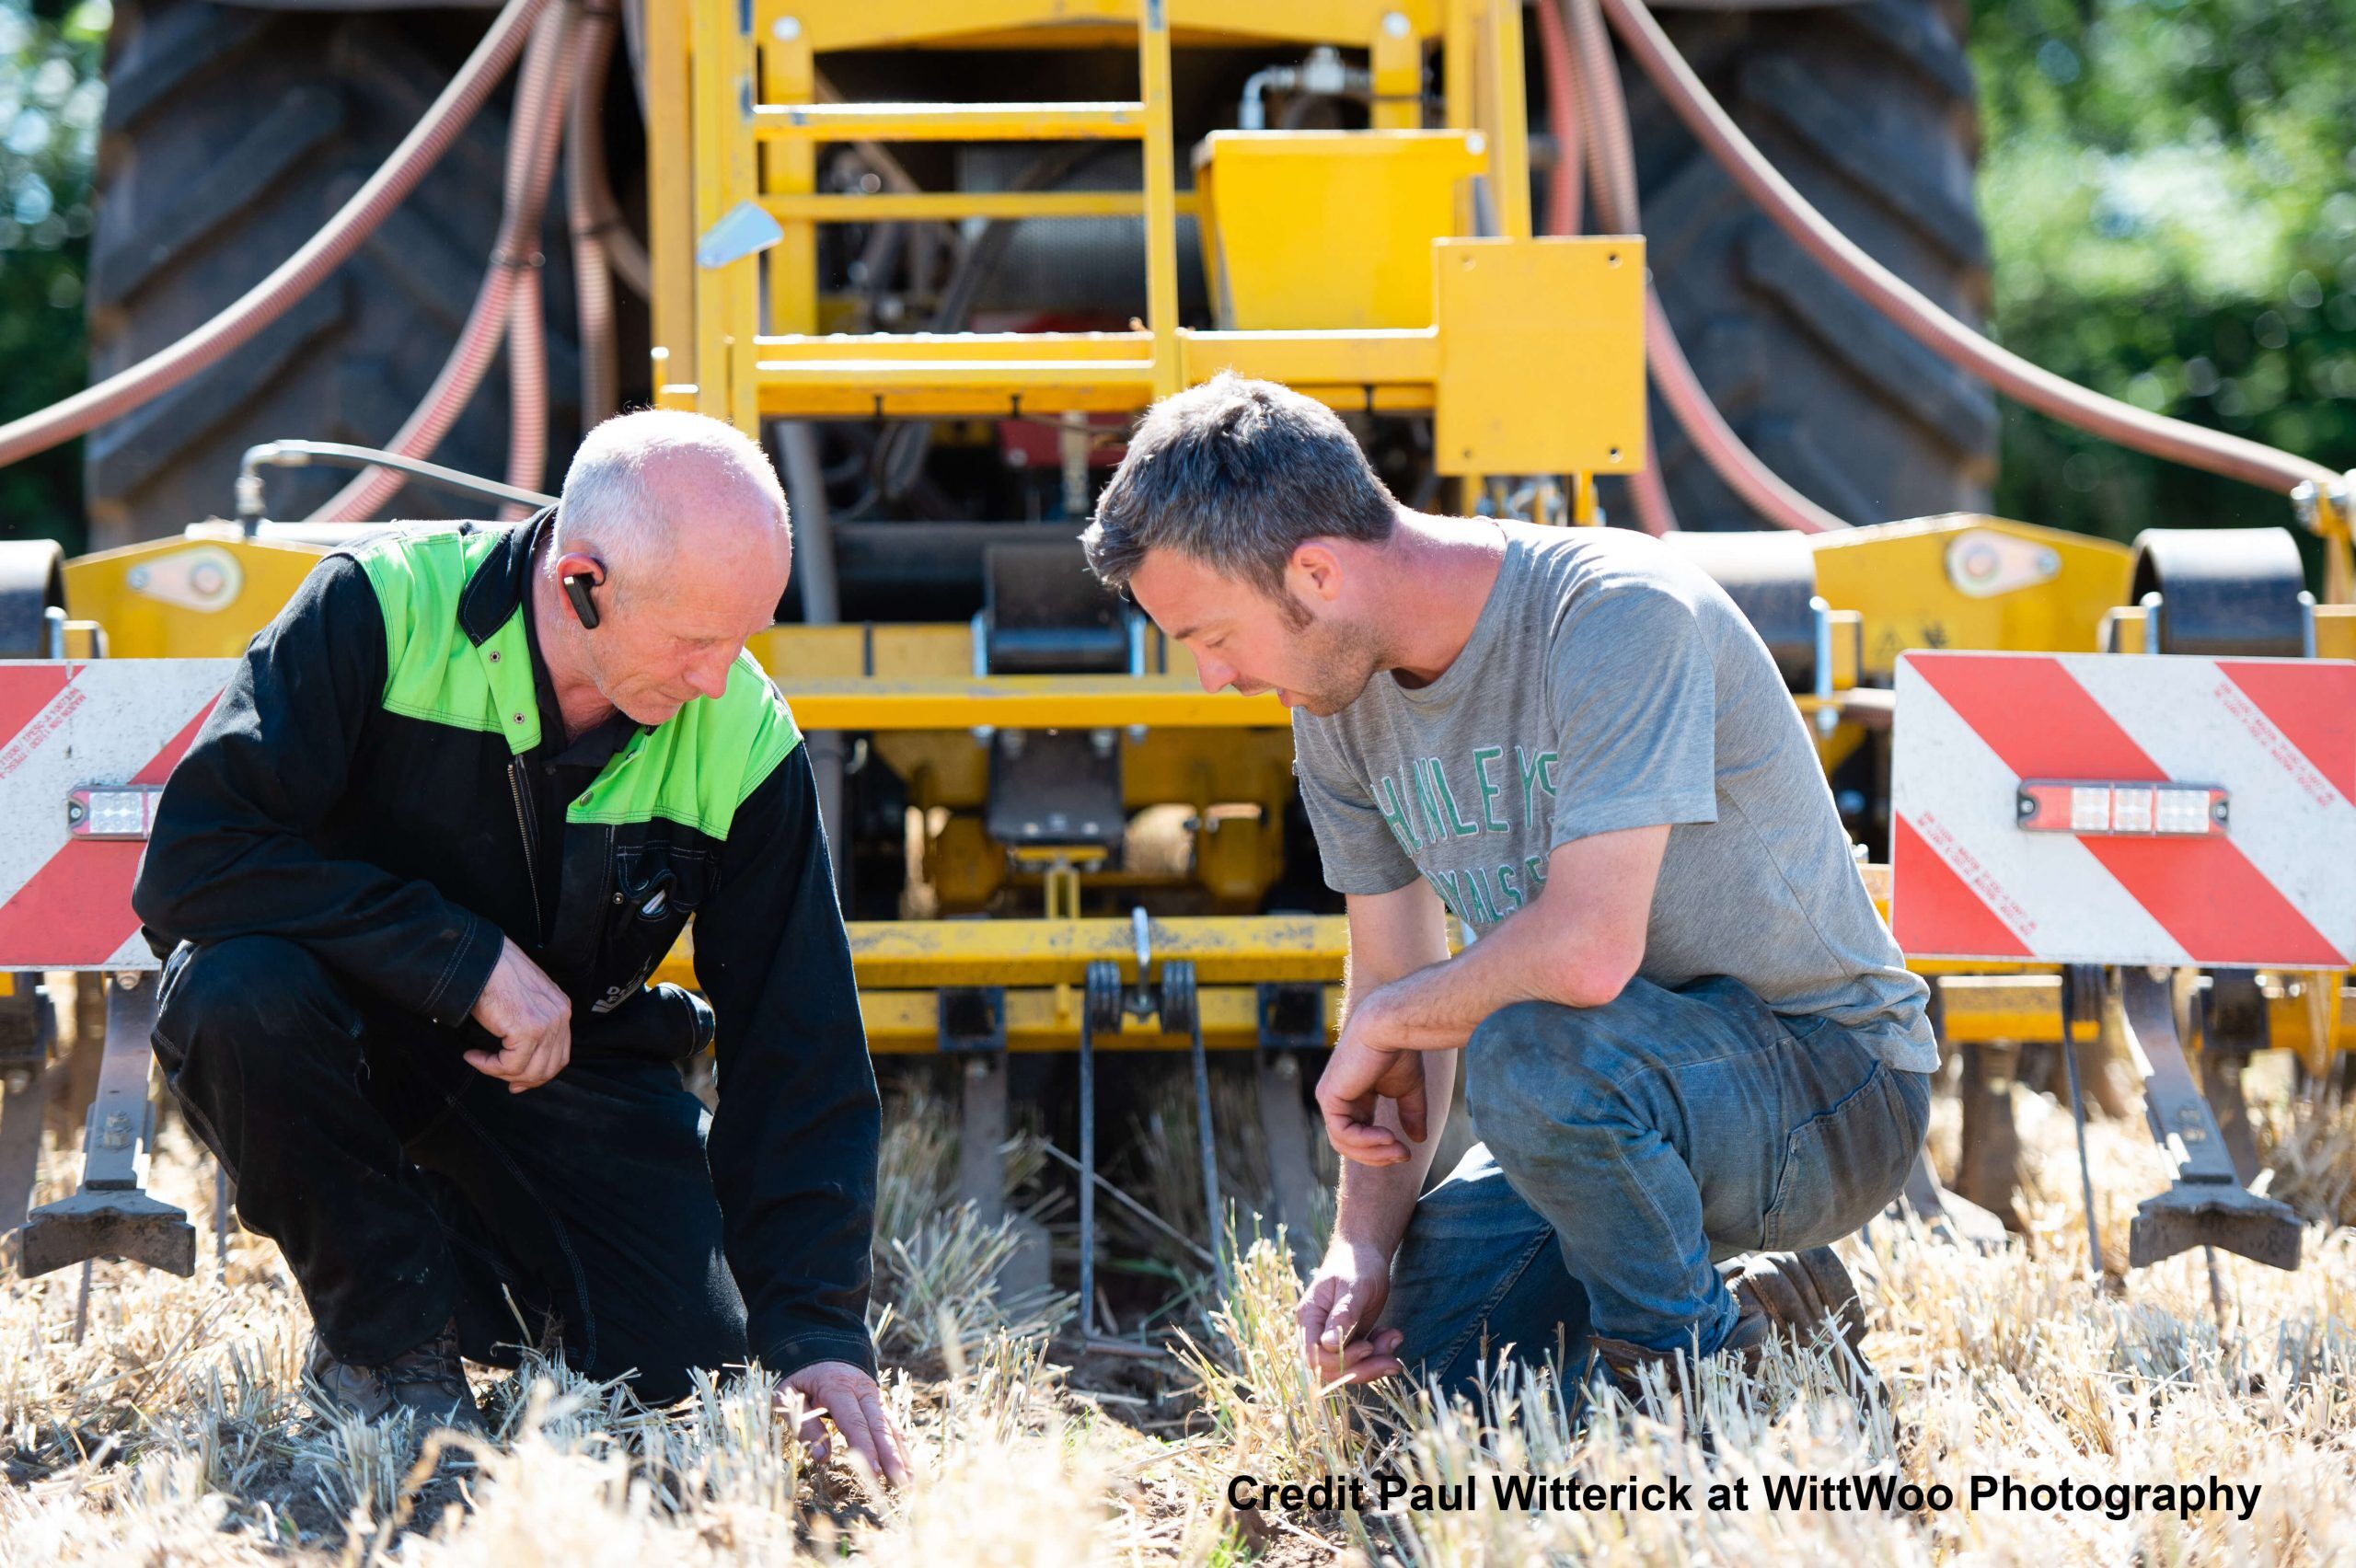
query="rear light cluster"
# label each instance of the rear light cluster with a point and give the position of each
(2115, 811)
(113, 810)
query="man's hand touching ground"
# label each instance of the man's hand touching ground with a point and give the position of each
(849, 1398)
(1357, 1078)
(532, 1019)
(1337, 1312)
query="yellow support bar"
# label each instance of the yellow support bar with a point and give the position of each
(2335, 631)
(1459, 110)
(1099, 24)
(837, 347)
(710, 32)
(1242, 949)
(1507, 117)
(670, 208)
(727, 297)
(988, 374)
(2328, 516)
(1161, 181)
(980, 376)
(814, 122)
(789, 74)
(1374, 356)
(952, 206)
(1982, 1008)
(1396, 59)
(1026, 702)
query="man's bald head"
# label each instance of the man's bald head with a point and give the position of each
(678, 524)
(667, 495)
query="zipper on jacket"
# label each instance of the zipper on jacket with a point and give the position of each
(531, 860)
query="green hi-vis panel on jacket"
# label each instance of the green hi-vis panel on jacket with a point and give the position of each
(432, 671)
(695, 768)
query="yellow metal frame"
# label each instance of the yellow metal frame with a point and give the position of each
(717, 144)
(901, 964)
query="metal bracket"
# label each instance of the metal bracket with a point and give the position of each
(972, 1018)
(2233, 1023)
(1180, 1012)
(1292, 1020)
(1105, 1004)
(110, 1216)
(27, 1029)
(1100, 1009)
(2206, 1205)
(1292, 1015)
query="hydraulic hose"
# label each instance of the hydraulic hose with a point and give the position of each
(1562, 120)
(626, 253)
(299, 273)
(589, 209)
(1611, 147)
(527, 349)
(2156, 434)
(535, 119)
(1759, 487)
(1613, 167)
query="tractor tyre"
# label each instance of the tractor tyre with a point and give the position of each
(1869, 109)
(231, 136)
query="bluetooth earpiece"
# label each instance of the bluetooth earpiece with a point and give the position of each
(576, 588)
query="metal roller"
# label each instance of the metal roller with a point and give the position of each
(1771, 576)
(32, 599)
(2224, 591)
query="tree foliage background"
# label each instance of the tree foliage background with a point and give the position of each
(2169, 188)
(49, 101)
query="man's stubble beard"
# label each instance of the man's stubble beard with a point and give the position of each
(1346, 658)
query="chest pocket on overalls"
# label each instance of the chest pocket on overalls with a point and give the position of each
(656, 886)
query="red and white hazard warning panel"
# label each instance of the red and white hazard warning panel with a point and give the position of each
(2087, 808)
(84, 752)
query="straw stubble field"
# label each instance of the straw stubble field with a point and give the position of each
(176, 1429)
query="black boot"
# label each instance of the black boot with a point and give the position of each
(429, 1380)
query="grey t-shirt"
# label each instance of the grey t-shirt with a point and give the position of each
(1610, 684)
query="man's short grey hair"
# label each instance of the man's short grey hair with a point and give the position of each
(615, 507)
(1236, 473)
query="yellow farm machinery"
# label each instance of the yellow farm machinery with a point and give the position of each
(936, 253)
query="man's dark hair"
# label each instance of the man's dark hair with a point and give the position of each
(1236, 473)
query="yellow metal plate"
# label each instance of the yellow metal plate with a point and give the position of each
(1542, 355)
(1911, 588)
(1329, 228)
(190, 597)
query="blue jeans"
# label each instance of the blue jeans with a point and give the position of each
(1630, 1147)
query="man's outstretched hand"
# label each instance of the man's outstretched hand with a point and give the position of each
(1336, 1314)
(532, 1019)
(849, 1397)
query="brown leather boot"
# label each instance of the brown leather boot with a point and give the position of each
(1778, 1295)
(1798, 1293)
(429, 1380)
